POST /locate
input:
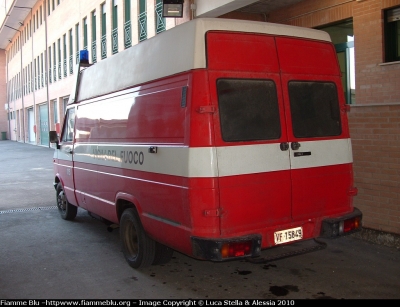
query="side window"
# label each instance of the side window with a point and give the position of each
(69, 123)
(315, 109)
(248, 110)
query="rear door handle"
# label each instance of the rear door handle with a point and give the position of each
(295, 145)
(284, 146)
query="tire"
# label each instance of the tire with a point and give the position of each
(67, 210)
(163, 254)
(137, 247)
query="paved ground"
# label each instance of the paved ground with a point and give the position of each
(26, 176)
(45, 257)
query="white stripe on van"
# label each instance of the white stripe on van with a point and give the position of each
(215, 161)
(322, 153)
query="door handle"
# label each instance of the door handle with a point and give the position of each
(284, 146)
(295, 145)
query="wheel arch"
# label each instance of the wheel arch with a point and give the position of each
(125, 201)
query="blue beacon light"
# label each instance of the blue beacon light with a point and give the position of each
(83, 56)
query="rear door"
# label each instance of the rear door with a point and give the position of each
(317, 128)
(250, 132)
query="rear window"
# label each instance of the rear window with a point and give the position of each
(248, 110)
(315, 109)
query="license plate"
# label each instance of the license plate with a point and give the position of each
(288, 235)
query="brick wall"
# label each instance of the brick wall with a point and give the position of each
(375, 132)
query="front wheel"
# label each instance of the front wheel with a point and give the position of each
(137, 247)
(67, 210)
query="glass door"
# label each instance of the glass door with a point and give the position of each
(342, 36)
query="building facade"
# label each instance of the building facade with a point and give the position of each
(37, 60)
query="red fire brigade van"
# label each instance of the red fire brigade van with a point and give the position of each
(218, 139)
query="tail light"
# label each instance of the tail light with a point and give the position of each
(236, 249)
(350, 224)
(343, 225)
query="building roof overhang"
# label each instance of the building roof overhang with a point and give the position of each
(14, 19)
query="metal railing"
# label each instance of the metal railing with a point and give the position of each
(94, 52)
(142, 18)
(104, 46)
(128, 34)
(160, 21)
(71, 65)
(114, 41)
(55, 72)
(65, 67)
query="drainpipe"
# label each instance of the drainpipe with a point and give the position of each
(46, 67)
(192, 9)
(22, 92)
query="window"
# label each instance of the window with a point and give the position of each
(65, 54)
(54, 62)
(30, 89)
(55, 110)
(142, 19)
(50, 68)
(71, 52)
(94, 45)
(38, 71)
(68, 131)
(34, 73)
(59, 58)
(42, 72)
(114, 33)
(314, 108)
(103, 32)
(85, 34)
(392, 35)
(77, 42)
(248, 110)
(65, 103)
(160, 21)
(127, 24)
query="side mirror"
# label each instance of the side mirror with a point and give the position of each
(54, 138)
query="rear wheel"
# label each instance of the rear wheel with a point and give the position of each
(67, 210)
(137, 247)
(163, 254)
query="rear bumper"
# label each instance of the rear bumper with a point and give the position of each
(221, 249)
(344, 225)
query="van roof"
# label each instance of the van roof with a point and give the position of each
(179, 49)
